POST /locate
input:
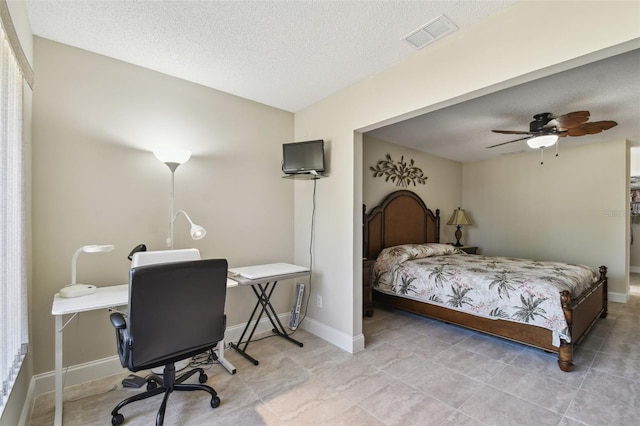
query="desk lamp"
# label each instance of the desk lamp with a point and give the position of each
(173, 158)
(459, 219)
(74, 289)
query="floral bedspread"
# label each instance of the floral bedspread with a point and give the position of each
(520, 290)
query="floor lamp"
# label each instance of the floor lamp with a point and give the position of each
(173, 158)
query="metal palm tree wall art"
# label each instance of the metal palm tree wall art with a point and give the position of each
(400, 172)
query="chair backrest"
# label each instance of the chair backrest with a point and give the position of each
(176, 310)
(142, 258)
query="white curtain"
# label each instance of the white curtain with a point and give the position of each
(13, 279)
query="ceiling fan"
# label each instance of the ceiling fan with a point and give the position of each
(545, 129)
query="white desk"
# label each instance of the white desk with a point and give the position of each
(103, 298)
(263, 289)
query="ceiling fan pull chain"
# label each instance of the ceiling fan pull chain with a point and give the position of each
(542, 155)
(557, 143)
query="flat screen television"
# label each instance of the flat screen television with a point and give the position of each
(303, 157)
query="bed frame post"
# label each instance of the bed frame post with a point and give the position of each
(565, 351)
(605, 292)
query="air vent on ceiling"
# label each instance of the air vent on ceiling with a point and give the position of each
(434, 30)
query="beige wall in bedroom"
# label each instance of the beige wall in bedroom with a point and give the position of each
(492, 55)
(442, 190)
(95, 181)
(572, 208)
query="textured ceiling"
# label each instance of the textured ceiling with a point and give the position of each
(291, 54)
(287, 54)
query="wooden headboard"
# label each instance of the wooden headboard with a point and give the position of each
(401, 218)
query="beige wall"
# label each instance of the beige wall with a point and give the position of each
(494, 54)
(442, 190)
(571, 209)
(95, 181)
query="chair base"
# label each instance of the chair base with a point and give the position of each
(166, 384)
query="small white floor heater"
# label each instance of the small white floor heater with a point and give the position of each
(295, 309)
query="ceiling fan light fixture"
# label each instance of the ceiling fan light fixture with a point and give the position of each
(543, 141)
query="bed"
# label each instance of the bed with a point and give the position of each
(402, 226)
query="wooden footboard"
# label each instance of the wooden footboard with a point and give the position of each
(581, 312)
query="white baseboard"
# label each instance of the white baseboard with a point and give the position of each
(81, 373)
(634, 269)
(76, 374)
(617, 297)
(338, 338)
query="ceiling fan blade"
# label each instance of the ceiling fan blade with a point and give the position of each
(577, 131)
(570, 120)
(512, 132)
(591, 128)
(598, 126)
(574, 114)
(504, 143)
(569, 123)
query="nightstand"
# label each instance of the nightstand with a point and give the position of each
(367, 291)
(469, 249)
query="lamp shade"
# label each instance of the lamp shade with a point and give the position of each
(542, 141)
(459, 218)
(97, 248)
(178, 156)
(197, 232)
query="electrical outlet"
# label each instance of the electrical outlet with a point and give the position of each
(319, 301)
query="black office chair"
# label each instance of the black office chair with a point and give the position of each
(176, 311)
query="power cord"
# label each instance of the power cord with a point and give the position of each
(205, 359)
(313, 218)
(111, 389)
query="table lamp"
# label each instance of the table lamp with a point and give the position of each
(459, 219)
(75, 289)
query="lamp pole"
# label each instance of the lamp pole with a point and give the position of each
(172, 167)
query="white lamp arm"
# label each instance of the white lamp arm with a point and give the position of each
(74, 261)
(185, 215)
(92, 248)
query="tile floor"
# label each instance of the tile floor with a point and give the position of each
(414, 371)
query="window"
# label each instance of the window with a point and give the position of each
(13, 278)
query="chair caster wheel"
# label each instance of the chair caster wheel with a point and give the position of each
(117, 420)
(203, 378)
(215, 402)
